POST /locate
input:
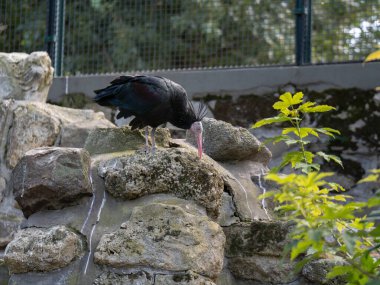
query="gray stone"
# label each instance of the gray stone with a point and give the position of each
(112, 278)
(227, 214)
(25, 76)
(164, 237)
(263, 268)
(105, 140)
(9, 224)
(32, 127)
(3, 185)
(258, 237)
(189, 278)
(27, 125)
(316, 271)
(175, 170)
(36, 249)
(223, 142)
(51, 178)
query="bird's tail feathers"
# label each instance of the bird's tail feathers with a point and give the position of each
(104, 96)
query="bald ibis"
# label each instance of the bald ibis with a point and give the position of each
(153, 100)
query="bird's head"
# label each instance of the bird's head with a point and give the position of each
(197, 130)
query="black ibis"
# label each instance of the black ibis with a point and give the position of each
(153, 100)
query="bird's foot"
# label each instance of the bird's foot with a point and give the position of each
(153, 150)
(147, 149)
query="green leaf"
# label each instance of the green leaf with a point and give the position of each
(375, 232)
(328, 131)
(300, 248)
(338, 271)
(318, 109)
(301, 132)
(287, 100)
(369, 178)
(268, 121)
(329, 157)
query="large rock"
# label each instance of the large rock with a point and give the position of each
(112, 278)
(263, 268)
(223, 142)
(259, 237)
(9, 225)
(316, 271)
(255, 251)
(28, 125)
(175, 170)
(25, 76)
(36, 249)
(164, 237)
(189, 278)
(51, 178)
(106, 140)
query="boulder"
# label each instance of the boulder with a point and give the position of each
(258, 237)
(25, 76)
(106, 140)
(175, 170)
(28, 125)
(262, 268)
(51, 178)
(112, 278)
(3, 185)
(9, 224)
(255, 251)
(37, 249)
(223, 142)
(188, 278)
(316, 271)
(164, 237)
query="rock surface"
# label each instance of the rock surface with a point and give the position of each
(316, 271)
(25, 76)
(259, 237)
(223, 142)
(164, 237)
(112, 278)
(175, 170)
(51, 178)
(263, 268)
(35, 249)
(28, 125)
(103, 140)
(9, 224)
(188, 278)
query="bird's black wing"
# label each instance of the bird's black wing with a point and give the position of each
(134, 95)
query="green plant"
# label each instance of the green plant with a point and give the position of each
(327, 223)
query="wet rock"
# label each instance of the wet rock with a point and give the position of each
(223, 142)
(263, 268)
(316, 271)
(105, 140)
(164, 237)
(51, 178)
(9, 224)
(259, 237)
(27, 125)
(112, 278)
(175, 170)
(36, 249)
(189, 278)
(25, 76)
(3, 185)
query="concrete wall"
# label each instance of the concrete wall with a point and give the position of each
(241, 81)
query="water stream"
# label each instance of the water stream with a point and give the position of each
(264, 190)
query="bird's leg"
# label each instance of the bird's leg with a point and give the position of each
(146, 139)
(153, 140)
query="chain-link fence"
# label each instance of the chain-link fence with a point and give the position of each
(100, 36)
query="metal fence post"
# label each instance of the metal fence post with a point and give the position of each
(60, 27)
(50, 30)
(303, 31)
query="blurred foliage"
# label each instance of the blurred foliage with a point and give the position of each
(119, 35)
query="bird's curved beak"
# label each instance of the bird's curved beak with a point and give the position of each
(199, 143)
